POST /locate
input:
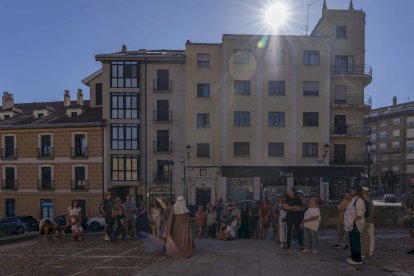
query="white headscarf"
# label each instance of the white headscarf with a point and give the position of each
(180, 206)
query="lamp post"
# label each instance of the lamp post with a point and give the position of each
(326, 150)
(170, 174)
(325, 178)
(187, 178)
(368, 144)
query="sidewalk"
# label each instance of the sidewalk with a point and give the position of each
(252, 257)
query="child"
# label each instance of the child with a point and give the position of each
(77, 231)
(311, 223)
(227, 232)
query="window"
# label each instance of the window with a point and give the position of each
(124, 136)
(203, 60)
(98, 93)
(46, 208)
(276, 88)
(162, 171)
(241, 118)
(396, 157)
(124, 167)
(124, 105)
(203, 90)
(341, 31)
(241, 56)
(276, 149)
(383, 134)
(384, 157)
(344, 64)
(203, 172)
(46, 180)
(311, 57)
(310, 149)
(163, 80)
(340, 94)
(383, 123)
(203, 120)
(410, 121)
(395, 145)
(396, 132)
(410, 145)
(9, 150)
(163, 111)
(10, 207)
(383, 146)
(80, 148)
(79, 181)
(310, 119)
(124, 74)
(45, 150)
(241, 148)
(311, 88)
(276, 118)
(396, 121)
(9, 181)
(203, 150)
(163, 141)
(241, 87)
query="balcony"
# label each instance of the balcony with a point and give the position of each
(348, 159)
(162, 147)
(8, 154)
(357, 70)
(45, 153)
(162, 86)
(46, 185)
(9, 185)
(161, 117)
(161, 177)
(348, 100)
(348, 130)
(79, 153)
(79, 185)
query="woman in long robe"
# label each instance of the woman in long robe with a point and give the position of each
(177, 234)
(142, 222)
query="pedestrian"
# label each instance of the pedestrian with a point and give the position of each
(155, 218)
(118, 225)
(311, 221)
(211, 222)
(225, 214)
(354, 223)
(219, 209)
(244, 222)
(130, 210)
(142, 221)
(179, 241)
(264, 217)
(274, 219)
(253, 220)
(409, 220)
(282, 220)
(368, 235)
(106, 210)
(74, 218)
(341, 207)
(294, 216)
(200, 220)
(227, 232)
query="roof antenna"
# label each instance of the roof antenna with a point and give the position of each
(307, 14)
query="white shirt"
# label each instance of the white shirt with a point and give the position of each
(314, 224)
(354, 209)
(230, 231)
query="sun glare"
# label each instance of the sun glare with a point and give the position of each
(276, 15)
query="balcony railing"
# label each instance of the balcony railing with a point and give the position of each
(45, 153)
(161, 177)
(48, 185)
(163, 86)
(9, 185)
(348, 130)
(351, 99)
(354, 70)
(165, 118)
(79, 152)
(9, 154)
(348, 159)
(162, 147)
(79, 185)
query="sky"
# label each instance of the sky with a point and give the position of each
(47, 46)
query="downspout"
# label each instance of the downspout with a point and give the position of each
(145, 137)
(103, 124)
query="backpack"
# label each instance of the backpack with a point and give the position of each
(367, 209)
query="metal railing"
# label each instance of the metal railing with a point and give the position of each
(350, 99)
(162, 147)
(162, 119)
(161, 177)
(77, 152)
(352, 130)
(348, 159)
(79, 185)
(8, 154)
(45, 184)
(162, 88)
(354, 70)
(45, 153)
(9, 184)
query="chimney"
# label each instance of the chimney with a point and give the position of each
(124, 48)
(7, 101)
(394, 100)
(66, 99)
(79, 97)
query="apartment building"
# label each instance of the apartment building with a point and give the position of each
(51, 154)
(392, 149)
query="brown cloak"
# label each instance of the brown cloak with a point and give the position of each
(178, 238)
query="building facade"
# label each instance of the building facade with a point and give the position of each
(51, 154)
(392, 150)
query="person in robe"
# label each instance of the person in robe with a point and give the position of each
(177, 233)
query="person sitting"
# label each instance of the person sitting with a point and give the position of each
(227, 232)
(47, 228)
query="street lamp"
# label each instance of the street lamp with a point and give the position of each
(170, 173)
(368, 144)
(325, 178)
(326, 150)
(187, 177)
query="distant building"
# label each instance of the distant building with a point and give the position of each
(51, 154)
(392, 138)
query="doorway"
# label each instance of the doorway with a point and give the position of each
(203, 196)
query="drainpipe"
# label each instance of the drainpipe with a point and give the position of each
(145, 137)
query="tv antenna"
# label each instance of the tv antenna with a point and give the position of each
(306, 28)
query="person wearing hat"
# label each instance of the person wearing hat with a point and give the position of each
(354, 223)
(106, 210)
(177, 234)
(368, 237)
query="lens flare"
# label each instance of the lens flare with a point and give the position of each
(276, 14)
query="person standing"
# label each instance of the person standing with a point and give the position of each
(106, 210)
(74, 218)
(282, 220)
(294, 216)
(341, 207)
(118, 226)
(155, 215)
(264, 217)
(211, 222)
(244, 222)
(311, 221)
(179, 241)
(409, 220)
(130, 210)
(253, 220)
(368, 236)
(354, 223)
(200, 220)
(142, 222)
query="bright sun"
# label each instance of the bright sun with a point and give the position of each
(276, 14)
